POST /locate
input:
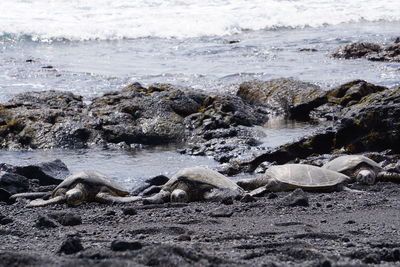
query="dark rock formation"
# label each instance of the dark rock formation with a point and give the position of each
(47, 173)
(356, 50)
(368, 122)
(370, 51)
(13, 183)
(292, 97)
(135, 116)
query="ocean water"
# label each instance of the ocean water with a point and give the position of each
(95, 46)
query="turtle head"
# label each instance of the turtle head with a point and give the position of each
(75, 196)
(179, 195)
(366, 177)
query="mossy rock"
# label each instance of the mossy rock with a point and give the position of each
(288, 96)
(353, 92)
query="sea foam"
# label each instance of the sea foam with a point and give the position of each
(79, 20)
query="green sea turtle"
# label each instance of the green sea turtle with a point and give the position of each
(360, 168)
(194, 184)
(291, 176)
(89, 186)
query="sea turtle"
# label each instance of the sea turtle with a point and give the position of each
(360, 168)
(194, 184)
(90, 186)
(291, 176)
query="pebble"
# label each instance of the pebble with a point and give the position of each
(66, 218)
(118, 245)
(221, 212)
(70, 246)
(129, 211)
(45, 222)
(5, 220)
(184, 237)
(272, 196)
(227, 201)
(297, 198)
(247, 198)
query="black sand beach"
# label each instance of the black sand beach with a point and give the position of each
(319, 229)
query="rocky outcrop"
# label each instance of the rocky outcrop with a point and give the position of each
(43, 176)
(370, 51)
(135, 116)
(288, 96)
(45, 119)
(364, 117)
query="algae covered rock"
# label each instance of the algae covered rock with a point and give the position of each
(134, 116)
(289, 96)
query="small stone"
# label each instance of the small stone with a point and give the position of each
(272, 196)
(4, 195)
(184, 237)
(110, 213)
(297, 198)
(221, 212)
(395, 252)
(247, 198)
(66, 218)
(325, 263)
(70, 246)
(372, 258)
(345, 239)
(227, 201)
(5, 220)
(45, 222)
(129, 211)
(118, 245)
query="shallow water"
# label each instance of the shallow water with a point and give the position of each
(128, 168)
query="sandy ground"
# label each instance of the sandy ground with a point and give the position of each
(335, 229)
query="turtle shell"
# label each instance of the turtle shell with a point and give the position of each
(94, 178)
(201, 175)
(306, 176)
(349, 162)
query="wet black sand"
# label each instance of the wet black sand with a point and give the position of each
(335, 229)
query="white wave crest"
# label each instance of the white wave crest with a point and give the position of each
(117, 19)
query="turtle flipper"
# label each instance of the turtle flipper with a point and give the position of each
(159, 198)
(218, 194)
(31, 195)
(389, 176)
(259, 192)
(342, 187)
(43, 203)
(104, 197)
